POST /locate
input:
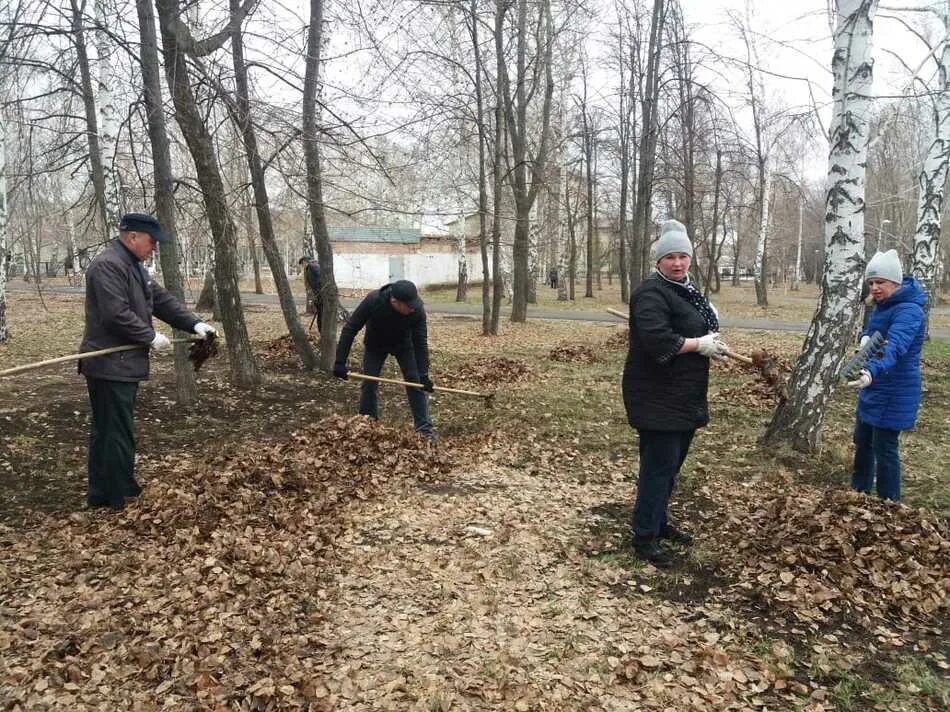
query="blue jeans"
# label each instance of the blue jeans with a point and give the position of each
(876, 453)
(661, 456)
(418, 399)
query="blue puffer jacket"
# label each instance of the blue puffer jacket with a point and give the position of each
(892, 399)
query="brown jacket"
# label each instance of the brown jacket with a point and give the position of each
(120, 301)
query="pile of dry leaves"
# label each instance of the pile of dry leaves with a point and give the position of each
(281, 352)
(574, 353)
(488, 371)
(771, 374)
(619, 340)
(209, 588)
(832, 554)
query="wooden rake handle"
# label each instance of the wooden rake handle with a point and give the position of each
(395, 382)
(84, 355)
(730, 354)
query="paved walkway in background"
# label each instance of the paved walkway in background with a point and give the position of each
(475, 311)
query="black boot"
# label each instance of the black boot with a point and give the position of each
(677, 536)
(650, 550)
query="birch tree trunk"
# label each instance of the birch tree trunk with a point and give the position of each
(4, 257)
(108, 117)
(318, 218)
(932, 179)
(185, 387)
(761, 247)
(798, 420)
(796, 282)
(244, 369)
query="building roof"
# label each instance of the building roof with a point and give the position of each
(395, 235)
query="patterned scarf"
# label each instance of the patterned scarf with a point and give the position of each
(688, 291)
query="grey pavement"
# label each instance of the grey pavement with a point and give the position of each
(475, 311)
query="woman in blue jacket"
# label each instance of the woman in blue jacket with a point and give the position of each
(890, 382)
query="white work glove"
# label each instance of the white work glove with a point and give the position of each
(204, 330)
(160, 342)
(862, 381)
(711, 345)
(863, 341)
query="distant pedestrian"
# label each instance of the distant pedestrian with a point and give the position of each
(552, 277)
(120, 302)
(890, 384)
(311, 272)
(395, 322)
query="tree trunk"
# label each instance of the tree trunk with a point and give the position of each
(318, 218)
(109, 120)
(589, 222)
(517, 119)
(761, 248)
(461, 285)
(244, 369)
(798, 420)
(482, 177)
(4, 256)
(712, 269)
(185, 388)
(639, 261)
(242, 115)
(252, 248)
(92, 121)
(932, 180)
(796, 283)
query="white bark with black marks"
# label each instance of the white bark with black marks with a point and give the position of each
(932, 178)
(4, 257)
(798, 420)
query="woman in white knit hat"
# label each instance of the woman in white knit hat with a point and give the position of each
(889, 383)
(673, 334)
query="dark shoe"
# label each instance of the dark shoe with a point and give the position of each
(133, 489)
(677, 536)
(654, 553)
(97, 502)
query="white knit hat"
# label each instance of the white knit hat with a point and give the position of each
(673, 238)
(885, 265)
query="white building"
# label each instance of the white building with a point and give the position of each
(367, 257)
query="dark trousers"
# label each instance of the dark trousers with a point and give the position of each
(661, 456)
(418, 399)
(877, 455)
(112, 442)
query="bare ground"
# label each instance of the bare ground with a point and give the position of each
(493, 574)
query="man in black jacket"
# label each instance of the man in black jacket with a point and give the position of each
(120, 302)
(311, 273)
(395, 322)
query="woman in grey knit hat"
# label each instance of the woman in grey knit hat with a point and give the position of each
(673, 334)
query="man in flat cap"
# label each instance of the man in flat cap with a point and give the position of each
(395, 322)
(120, 302)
